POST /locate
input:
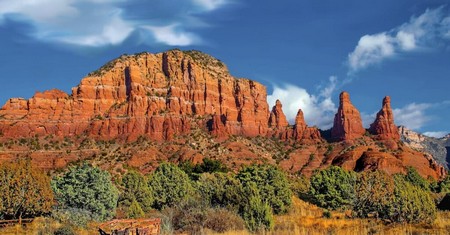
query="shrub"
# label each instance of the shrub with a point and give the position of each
(88, 188)
(256, 213)
(333, 187)
(444, 185)
(374, 193)
(24, 191)
(169, 185)
(74, 216)
(411, 204)
(416, 179)
(222, 220)
(300, 187)
(219, 190)
(64, 230)
(135, 211)
(271, 183)
(135, 188)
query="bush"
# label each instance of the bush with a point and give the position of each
(300, 187)
(207, 166)
(25, 191)
(169, 185)
(219, 190)
(444, 185)
(256, 213)
(88, 188)
(64, 230)
(75, 216)
(135, 211)
(135, 188)
(411, 204)
(222, 220)
(333, 188)
(374, 194)
(271, 183)
(416, 179)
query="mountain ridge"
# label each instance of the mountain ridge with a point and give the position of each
(165, 95)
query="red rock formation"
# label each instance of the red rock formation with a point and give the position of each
(384, 126)
(303, 132)
(157, 95)
(277, 118)
(347, 121)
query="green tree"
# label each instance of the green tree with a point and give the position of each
(412, 203)
(416, 179)
(272, 184)
(374, 192)
(88, 188)
(219, 189)
(256, 213)
(135, 211)
(169, 185)
(444, 185)
(24, 191)
(333, 187)
(135, 188)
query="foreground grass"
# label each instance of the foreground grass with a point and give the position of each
(303, 218)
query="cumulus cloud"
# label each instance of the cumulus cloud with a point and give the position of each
(109, 22)
(413, 115)
(318, 109)
(420, 32)
(436, 134)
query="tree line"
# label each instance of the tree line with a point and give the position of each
(191, 197)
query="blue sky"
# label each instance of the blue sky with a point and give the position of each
(306, 52)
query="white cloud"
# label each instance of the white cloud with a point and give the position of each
(108, 22)
(436, 134)
(412, 115)
(368, 119)
(210, 4)
(419, 32)
(170, 36)
(318, 109)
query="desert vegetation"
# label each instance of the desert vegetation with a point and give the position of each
(210, 198)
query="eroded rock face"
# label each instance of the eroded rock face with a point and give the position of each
(384, 126)
(157, 95)
(304, 133)
(347, 121)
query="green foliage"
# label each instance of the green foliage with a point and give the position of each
(374, 194)
(414, 178)
(271, 183)
(300, 187)
(333, 187)
(135, 188)
(256, 213)
(207, 166)
(169, 185)
(412, 203)
(24, 191)
(88, 188)
(75, 216)
(135, 211)
(444, 185)
(220, 190)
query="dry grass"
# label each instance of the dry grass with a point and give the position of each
(304, 218)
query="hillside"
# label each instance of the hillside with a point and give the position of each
(139, 110)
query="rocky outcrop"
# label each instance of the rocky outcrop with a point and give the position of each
(438, 148)
(384, 126)
(277, 118)
(304, 133)
(347, 121)
(157, 95)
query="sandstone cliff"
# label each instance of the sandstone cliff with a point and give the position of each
(158, 95)
(384, 126)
